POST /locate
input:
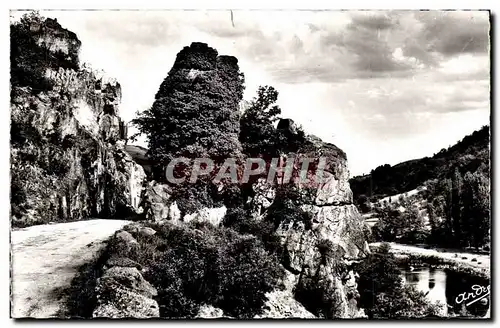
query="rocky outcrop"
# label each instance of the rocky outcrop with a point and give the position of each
(281, 303)
(207, 311)
(67, 156)
(122, 291)
(159, 207)
(325, 248)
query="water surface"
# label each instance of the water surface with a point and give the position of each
(445, 286)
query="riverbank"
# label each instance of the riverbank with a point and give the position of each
(476, 264)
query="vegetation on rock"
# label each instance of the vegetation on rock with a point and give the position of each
(195, 115)
(200, 264)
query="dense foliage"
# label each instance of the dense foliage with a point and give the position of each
(459, 209)
(195, 113)
(401, 221)
(383, 293)
(259, 136)
(201, 264)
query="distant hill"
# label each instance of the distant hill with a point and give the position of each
(468, 154)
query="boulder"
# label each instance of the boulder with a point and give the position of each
(146, 231)
(128, 277)
(125, 303)
(123, 244)
(210, 215)
(210, 312)
(122, 262)
(160, 208)
(126, 237)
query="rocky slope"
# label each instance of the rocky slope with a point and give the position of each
(67, 156)
(322, 253)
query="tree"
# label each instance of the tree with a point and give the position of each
(257, 133)
(396, 225)
(364, 203)
(476, 208)
(456, 206)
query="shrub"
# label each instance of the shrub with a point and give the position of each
(201, 264)
(286, 207)
(240, 221)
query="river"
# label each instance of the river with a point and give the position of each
(446, 286)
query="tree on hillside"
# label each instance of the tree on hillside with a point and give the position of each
(476, 209)
(459, 209)
(456, 206)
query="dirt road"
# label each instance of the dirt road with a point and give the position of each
(45, 259)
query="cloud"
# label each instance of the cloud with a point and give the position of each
(456, 32)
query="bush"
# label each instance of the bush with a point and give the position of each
(286, 208)
(238, 220)
(201, 264)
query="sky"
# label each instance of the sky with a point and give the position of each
(384, 86)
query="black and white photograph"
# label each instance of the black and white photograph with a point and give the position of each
(301, 165)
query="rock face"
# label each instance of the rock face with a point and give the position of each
(325, 250)
(281, 304)
(159, 206)
(67, 155)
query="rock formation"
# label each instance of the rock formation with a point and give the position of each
(67, 155)
(321, 251)
(324, 250)
(121, 291)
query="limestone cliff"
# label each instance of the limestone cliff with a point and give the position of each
(321, 252)
(67, 157)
